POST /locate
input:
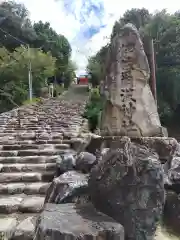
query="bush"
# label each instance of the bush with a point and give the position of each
(34, 100)
(93, 109)
(58, 90)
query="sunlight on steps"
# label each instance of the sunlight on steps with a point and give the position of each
(162, 234)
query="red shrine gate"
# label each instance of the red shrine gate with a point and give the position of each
(83, 80)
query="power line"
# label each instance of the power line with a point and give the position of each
(17, 39)
(29, 66)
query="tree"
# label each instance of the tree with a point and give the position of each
(97, 65)
(138, 17)
(69, 73)
(94, 69)
(50, 54)
(164, 30)
(14, 74)
(15, 26)
(49, 40)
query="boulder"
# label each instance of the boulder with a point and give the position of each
(85, 161)
(128, 186)
(66, 162)
(68, 221)
(67, 188)
(173, 174)
(170, 157)
(165, 147)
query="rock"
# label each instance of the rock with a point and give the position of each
(7, 227)
(171, 214)
(25, 230)
(165, 147)
(65, 163)
(67, 221)
(27, 135)
(104, 151)
(85, 161)
(57, 135)
(44, 135)
(94, 144)
(13, 121)
(34, 120)
(130, 108)
(77, 143)
(32, 205)
(173, 174)
(171, 153)
(128, 186)
(69, 187)
(10, 204)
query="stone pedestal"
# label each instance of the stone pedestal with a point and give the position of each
(128, 185)
(67, 221)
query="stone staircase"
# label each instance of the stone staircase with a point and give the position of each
(30, 144)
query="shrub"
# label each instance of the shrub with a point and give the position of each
(93, 109)
(34, 100)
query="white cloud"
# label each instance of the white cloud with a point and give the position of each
(70, 24)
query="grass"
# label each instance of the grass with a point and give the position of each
(34, 100)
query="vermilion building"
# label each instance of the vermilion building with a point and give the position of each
(83, 80)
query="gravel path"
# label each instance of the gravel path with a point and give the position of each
(76, 92)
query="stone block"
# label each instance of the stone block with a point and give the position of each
(68, 221)
(7, 227)
(25, 229)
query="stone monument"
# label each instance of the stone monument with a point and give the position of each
(127, 183)
(130, 106)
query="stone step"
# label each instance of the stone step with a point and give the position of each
(27, 177)
(17, 128)
(21, 203)
(35, 127)
(7, 227)
(25, 229)
(36, 188)
(34, 146)
(27, 167)
(30, 142)
(28, 136)
(39, 130)
(40, 126)
(29, 159)
(32, 152)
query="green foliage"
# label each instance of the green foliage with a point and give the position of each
(138, 17)
(93, 109)
(14, 20)
(96, 66)
(49, 40)
(34, 100)
(14, 74)
(69, 73)
(49, 54)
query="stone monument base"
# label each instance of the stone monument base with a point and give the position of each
(128, 182)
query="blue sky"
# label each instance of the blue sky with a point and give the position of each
(88, 23)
